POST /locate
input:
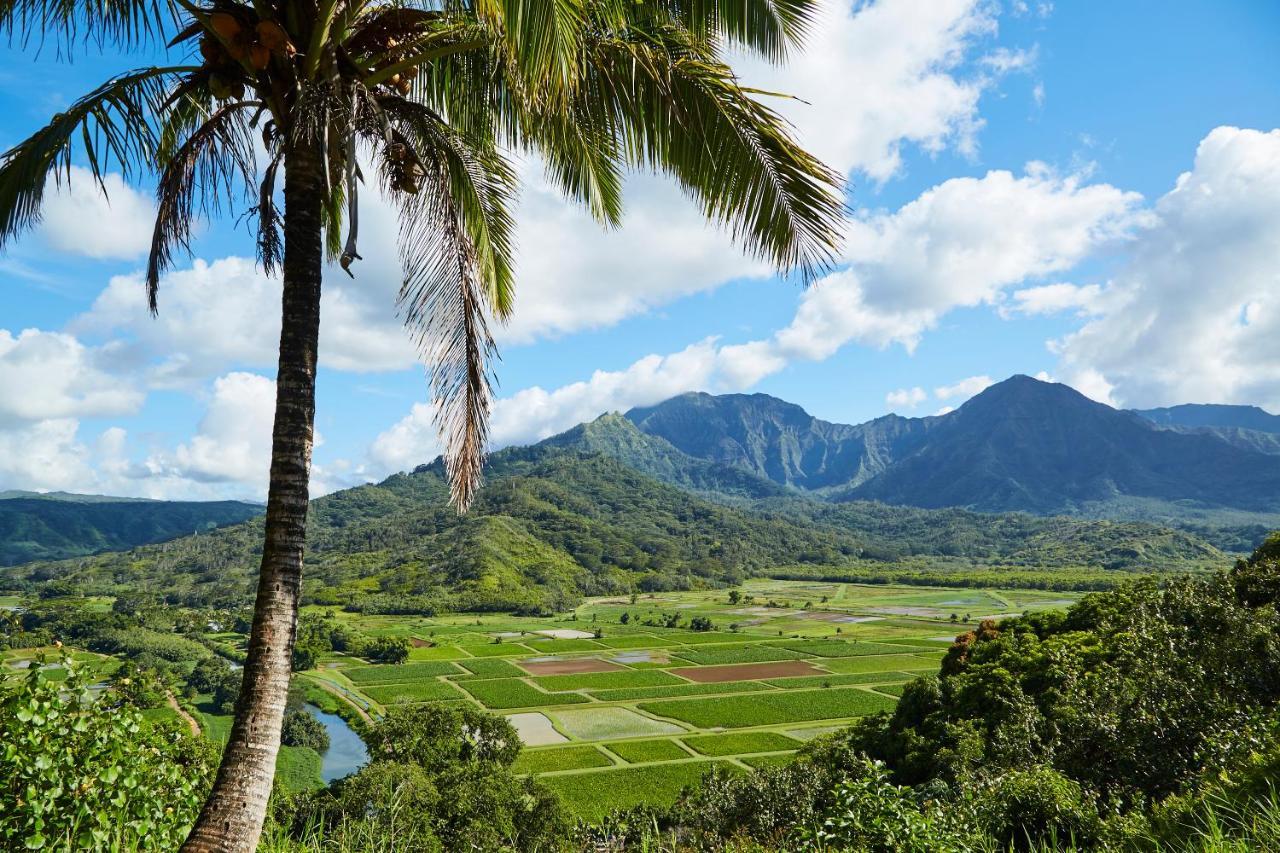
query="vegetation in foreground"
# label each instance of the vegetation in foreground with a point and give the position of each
(1143, 719)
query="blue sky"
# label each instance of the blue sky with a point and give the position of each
(1084, 191)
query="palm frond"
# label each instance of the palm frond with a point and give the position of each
(200, 176)
(122, 23)
(116, 123)
(768, 27)
(543, 37)
(455, 245)
(680, 111)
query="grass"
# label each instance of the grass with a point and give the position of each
(677, 690)
(843, 649)
(594, 794)
(560, 758)
(298, 769)
(491, 668)
(737, 654)
(608, 723)
(644, 751)
(840, 679)
(420, 653)
(759, 761)
(607, 680)
(881, 663)
(791, 706)
(400, 672)
(637, 641)
(891, 689)
(505, 693)
(554, 646)
(416, 691)
(740, 743)
(498, 650)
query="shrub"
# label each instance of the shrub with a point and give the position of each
(302, 729)
(76, 773)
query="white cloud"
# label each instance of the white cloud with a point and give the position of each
(963, 243)
(1194, 314)
(46, 376)
(877, 76)
(1054, 298)
(906, 398)
(77, 218)
(964, 389)
(44, 456)
(535, 413)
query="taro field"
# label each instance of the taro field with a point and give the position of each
(623, 702)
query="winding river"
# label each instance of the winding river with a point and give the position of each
(346, 753)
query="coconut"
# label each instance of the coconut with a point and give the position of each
(404, 86)
(211, 50)
(225, 25)
(272, 35)
(259, 56)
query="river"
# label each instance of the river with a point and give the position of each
(346, 753)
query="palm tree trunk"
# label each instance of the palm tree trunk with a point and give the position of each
(233, 815)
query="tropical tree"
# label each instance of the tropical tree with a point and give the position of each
(306, 101)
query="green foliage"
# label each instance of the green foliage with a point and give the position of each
(607, 680)
(439, 779)
(302, 729)
(490, 668)
(403, 672)
(593, 795)
(772, 708)
(76, 773)
(427, 690)
(737, 654)
(1026, 808)
(55, 527)
(677, 690)
(505, 693)
(740, 743)
(644, 751)
(559, 758)
(869, 813)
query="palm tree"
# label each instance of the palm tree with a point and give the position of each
(429, 99)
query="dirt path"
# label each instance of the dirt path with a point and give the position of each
(182, 712)
(328, 687)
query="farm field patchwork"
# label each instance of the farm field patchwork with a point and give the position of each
(791, 706)
(636, 713)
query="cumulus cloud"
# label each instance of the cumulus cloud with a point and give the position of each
(964, 389)
(906, 398)
(962, 243)
(78, 218)
(52, 376)
(1054, 299)
(877, 76)
(43, 456)
(1194, 314)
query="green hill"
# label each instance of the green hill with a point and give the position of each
(564, 519)
(53, 526)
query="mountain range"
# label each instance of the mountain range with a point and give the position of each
(1021, 445)
(705, 490)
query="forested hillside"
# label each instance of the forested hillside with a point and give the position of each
(54, 526)
(565, 519)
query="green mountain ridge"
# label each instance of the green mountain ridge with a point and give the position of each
(1022, 445)
(600, 510)
(35, 526)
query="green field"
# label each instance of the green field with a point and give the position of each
(504, 693)
(647, 751)
(792, 706)
(640, 733)
(740, 743)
